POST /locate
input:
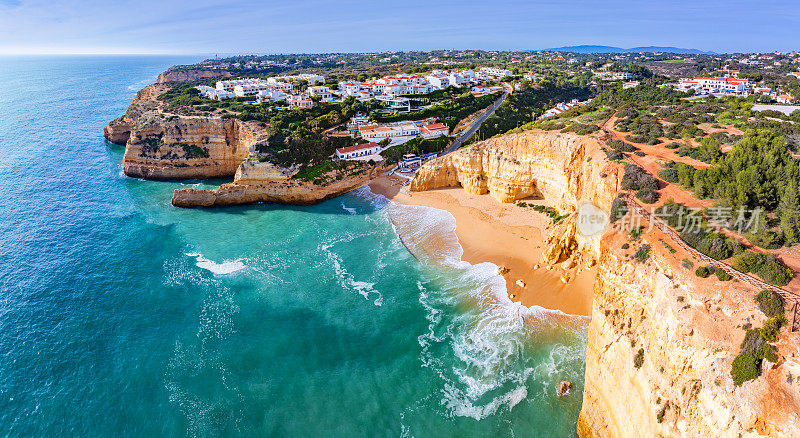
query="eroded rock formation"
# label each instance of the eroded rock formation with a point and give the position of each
(660, 351)
(265, 182)
(162, 145)
(564, 169)
(661, 341)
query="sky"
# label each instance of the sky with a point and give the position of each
(317, 26)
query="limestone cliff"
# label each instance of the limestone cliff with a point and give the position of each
(661, 341)
(564, 169)
(174, 75)
(265, 182)
(187, 147)
(160, 145)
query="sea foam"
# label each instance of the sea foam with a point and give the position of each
(477, 337)
(224, 268)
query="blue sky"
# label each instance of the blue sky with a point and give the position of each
(207, 26)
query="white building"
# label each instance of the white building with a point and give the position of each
(433, 130)
(300, 101)
(495, 73)
(233, 83)
(250, 89)
(324, 93)
(213, 93)
(394, 130)
(727, 85)
(438, 82)
(273, 95)
(359, 150)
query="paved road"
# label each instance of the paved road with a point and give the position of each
(478, 122)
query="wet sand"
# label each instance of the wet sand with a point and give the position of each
(506, 235)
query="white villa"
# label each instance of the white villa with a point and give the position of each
(726, 84)
(433, 130)
(359, 150)
(391, 130)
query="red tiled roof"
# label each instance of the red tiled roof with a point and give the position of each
(434, 127)
(357, 147)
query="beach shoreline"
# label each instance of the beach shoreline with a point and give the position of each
(506, 235)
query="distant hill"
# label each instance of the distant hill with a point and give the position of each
(611, 49)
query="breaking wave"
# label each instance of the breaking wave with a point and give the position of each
(224, 268)
(490, 353)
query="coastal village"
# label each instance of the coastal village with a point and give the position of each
(656, 142)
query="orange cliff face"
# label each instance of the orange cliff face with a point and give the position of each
(160, 145)
(265, 182)
(661, 340)
(661, 344)
(565, 169)
(163, 146)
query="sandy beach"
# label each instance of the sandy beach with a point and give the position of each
(506, 235)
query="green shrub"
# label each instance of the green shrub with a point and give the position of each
(754, 349)
(702, 272)
(625, 246)
(687, 264)
(771, 328)
(648, 196)
(745, 367)
(614, 155)
(619, 208)
(642, 254)
(635, 178)
(774, 272)
(770, 303)
(668, 174)
(672, 145)
(638, 358)
(621, 146)
(722, 275)
(747, 261)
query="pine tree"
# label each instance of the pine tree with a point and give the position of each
(789, 213)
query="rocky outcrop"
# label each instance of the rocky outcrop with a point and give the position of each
(160, 145)
(565, 169)
(190, 75)
(187, 147)
(264, 182)
(661, 341)
(660, 351)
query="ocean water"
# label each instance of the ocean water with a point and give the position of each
(123, 316)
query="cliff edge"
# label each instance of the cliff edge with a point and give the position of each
(661, 340)
(264, 182)
(160, 145)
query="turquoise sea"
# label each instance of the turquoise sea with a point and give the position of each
(121, 315)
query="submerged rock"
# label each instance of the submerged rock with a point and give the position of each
(564, 387)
